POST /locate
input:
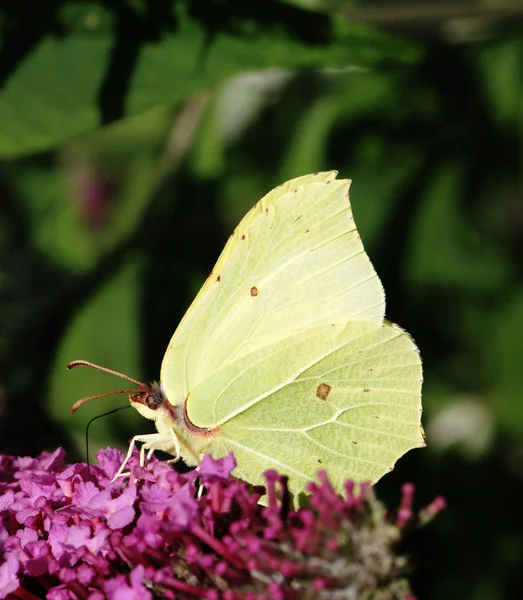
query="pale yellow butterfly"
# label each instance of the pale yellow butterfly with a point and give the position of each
(284, 357)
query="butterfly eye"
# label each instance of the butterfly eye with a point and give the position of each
(151, 402)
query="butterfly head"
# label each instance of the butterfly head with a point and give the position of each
(147, 399)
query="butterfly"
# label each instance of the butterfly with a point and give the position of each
(285, 357)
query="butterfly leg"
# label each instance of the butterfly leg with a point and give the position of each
(148, 440)
(176, 445)
(149, 456)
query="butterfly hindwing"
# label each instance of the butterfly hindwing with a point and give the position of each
(343, 397)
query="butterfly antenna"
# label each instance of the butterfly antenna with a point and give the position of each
(79, 403)
(85, 363)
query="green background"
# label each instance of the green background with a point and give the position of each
(134, 135)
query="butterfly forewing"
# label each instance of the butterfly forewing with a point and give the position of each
(299, 264)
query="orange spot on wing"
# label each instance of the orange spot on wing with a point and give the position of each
(323, 391)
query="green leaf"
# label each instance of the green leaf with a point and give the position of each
(504, 363)
(307, 149)
(53, 94)
(114, 170)
(499, 68)
(104, 331)
(447, 250)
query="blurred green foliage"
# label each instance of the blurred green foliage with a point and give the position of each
(137, 152)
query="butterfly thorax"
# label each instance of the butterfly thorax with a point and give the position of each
(152, 403)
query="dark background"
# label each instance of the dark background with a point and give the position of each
(134, 135)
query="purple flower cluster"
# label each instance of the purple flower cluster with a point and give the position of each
(66, 533)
